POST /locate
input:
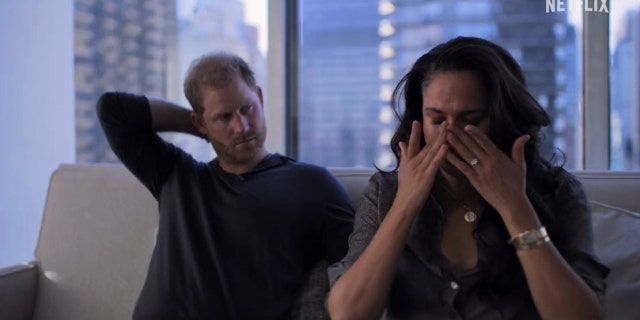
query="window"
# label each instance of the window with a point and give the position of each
(480, 9)
(624, 45)
(75, 51)
(346, 75)
(146, 47)
(347, 65)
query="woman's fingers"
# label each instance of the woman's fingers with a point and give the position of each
(497, 176)
(422, 157)
(403, 150)
(480, 141)
(414, 138)
(419, 166)
(466, 147)
(463, 166)
(517, 150)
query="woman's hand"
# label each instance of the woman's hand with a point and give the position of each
(363, 290)
(499, 179)
(418, 167)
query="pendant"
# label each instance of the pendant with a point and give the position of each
(470, 216)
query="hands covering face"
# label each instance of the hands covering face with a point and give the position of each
(418, 167)
(499, 179)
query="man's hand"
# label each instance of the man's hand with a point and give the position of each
(168, 116)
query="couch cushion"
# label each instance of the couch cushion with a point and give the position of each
(99, 222)
(616, 188)
(95, 242)
(617, 244)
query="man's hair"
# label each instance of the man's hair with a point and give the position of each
(215, 70)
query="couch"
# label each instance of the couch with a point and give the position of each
(98, 231)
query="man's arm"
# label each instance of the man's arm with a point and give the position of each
(338, 224)
(169, 116)
(130, 123)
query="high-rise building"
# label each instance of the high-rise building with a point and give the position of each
(387, 36)
(144, 47)
(625, 97)
(338, 82)
(119, 45)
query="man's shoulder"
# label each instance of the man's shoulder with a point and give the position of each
(306, 169)
(299, 166)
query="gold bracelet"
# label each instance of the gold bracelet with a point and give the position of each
(530, 239)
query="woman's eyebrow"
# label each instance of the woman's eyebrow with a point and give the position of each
(464, 112)
(468, 112)
(433, 109)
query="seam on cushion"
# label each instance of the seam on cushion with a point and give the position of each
(630, 213)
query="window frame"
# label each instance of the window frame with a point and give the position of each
(595, 92)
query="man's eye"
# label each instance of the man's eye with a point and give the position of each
(223, 118)
(437, 121)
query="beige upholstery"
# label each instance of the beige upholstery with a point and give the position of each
(98, 232)
(96, 218)
(620, 189)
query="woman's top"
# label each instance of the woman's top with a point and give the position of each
(427, 286)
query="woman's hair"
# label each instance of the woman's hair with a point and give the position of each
(512, 112)
(215, 70)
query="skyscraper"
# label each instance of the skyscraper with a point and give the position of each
(338, 81)
(625, 97)
(144, 47)
(119, 45)
(389, 37)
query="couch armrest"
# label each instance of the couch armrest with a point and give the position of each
(18, 286)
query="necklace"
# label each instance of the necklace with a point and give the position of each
(469, 215)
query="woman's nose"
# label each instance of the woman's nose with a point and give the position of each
(457, 123)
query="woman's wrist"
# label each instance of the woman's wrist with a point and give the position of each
(530, 239)
(520, 218)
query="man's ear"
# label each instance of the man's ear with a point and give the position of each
(198, 122)
(259, 92)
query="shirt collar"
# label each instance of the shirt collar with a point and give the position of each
(270, 161)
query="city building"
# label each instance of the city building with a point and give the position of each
(352, 56)
(146, 47)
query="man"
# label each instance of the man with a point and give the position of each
(238, 235)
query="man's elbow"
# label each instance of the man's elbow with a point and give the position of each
(104, 101)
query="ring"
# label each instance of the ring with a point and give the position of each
(473, 162)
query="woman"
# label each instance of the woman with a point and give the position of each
(472, 223)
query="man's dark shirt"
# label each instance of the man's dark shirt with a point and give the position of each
(226, 243)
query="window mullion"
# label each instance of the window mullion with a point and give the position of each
(595, 88)
(276, 88)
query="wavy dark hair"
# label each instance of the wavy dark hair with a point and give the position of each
(512, 112)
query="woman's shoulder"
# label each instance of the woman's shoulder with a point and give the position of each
(384, 180)
(554, 179)
(565, 181)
